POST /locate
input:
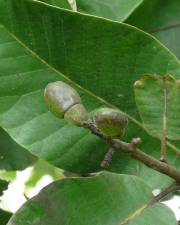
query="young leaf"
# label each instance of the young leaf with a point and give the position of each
(107, 199)
(158, 102)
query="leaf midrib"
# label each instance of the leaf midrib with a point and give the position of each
(133, 215)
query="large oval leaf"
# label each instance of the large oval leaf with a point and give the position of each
(79, 57)
(104, 57)
(106, 199)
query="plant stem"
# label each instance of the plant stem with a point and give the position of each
(147, 159)
(169, 190)
(108, 157)
(136, 153)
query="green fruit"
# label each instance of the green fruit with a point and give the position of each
(77, 114)
(111, 122)
(59, 97)
(64, 101)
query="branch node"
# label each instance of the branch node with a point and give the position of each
(136, 141)
(162, 159)
(133, 151)
(108, 158)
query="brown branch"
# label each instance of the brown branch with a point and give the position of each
(108, 158)
(169, 190)
(136, 153)
(147, 159)
(90, 125)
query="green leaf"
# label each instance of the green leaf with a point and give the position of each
(101, 61)
(59, 3)
(107, 199)
(158, 102)
(12, 155)
(117, 10)
(4, 217)
(160, 18)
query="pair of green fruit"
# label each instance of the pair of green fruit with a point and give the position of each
(64, 102)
